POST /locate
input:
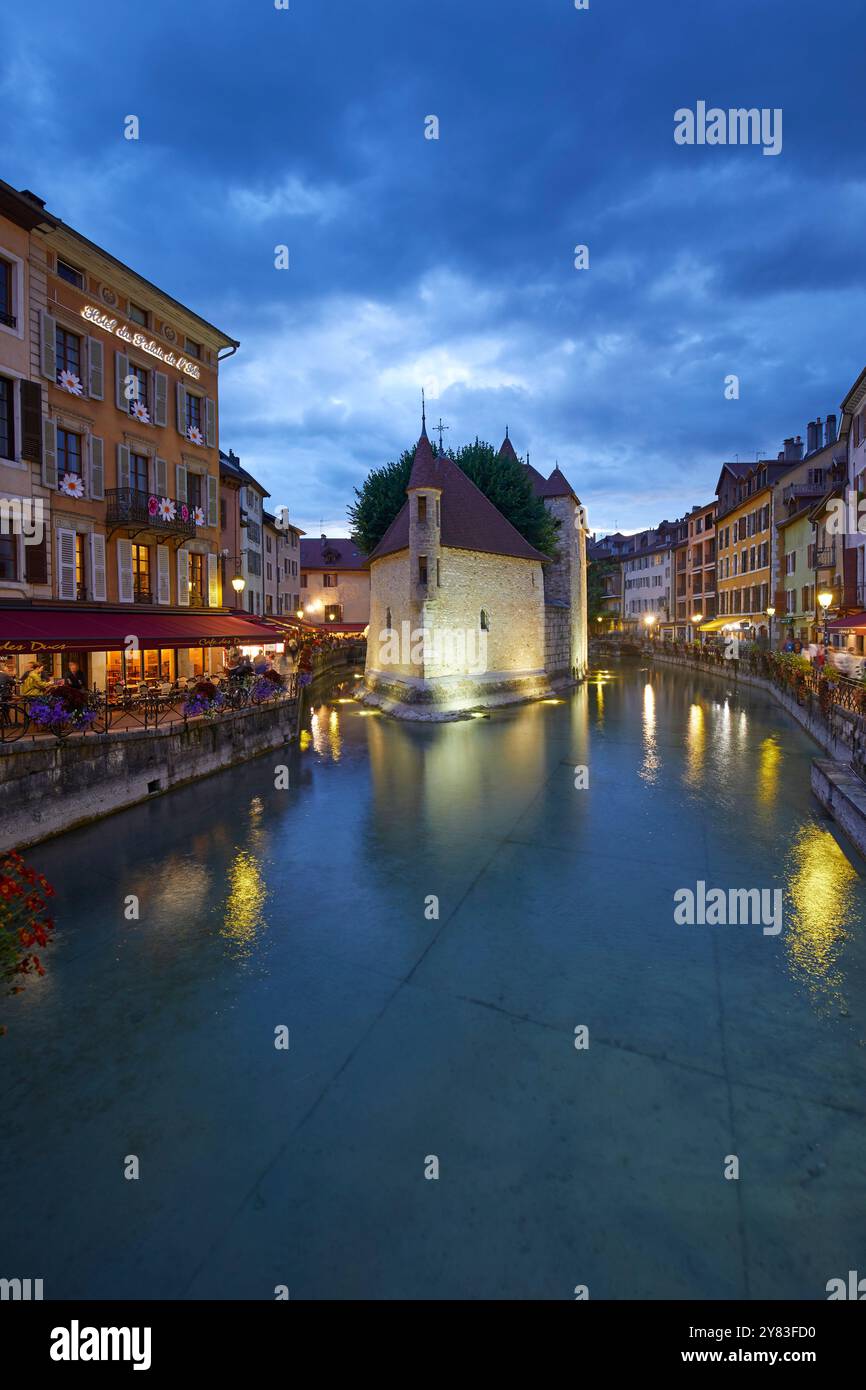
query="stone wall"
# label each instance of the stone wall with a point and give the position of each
(557, 640)
(47, 787)
(506, 661)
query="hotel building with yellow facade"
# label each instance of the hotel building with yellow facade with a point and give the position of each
(110, 419)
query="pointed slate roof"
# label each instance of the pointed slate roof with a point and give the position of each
(557, 485)
(507, 448)
(469, 520)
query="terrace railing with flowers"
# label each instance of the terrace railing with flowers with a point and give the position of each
(127, 504)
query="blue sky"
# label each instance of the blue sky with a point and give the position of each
(451, 261)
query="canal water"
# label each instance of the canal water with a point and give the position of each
(431, 912)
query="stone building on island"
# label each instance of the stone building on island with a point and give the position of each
(464, 612)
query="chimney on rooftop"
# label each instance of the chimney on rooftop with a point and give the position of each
(793, 450)
(811, 437)
(28, 193)
(830, 429)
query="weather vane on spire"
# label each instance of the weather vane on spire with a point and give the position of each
(441, 428)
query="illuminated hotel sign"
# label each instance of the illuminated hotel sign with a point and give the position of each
(140, 340)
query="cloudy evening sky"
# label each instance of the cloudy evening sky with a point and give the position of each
(452, 260)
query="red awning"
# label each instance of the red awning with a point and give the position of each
(303, 627)
(855, 622)
(60, 630)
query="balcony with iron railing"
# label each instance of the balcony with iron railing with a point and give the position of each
(825, 557)
(128, 505)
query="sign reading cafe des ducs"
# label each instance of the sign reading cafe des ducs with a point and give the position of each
(140, 340)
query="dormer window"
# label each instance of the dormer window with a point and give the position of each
(69, 273)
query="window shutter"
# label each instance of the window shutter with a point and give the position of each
(159, 396)
(36, 563)
(31, 421)
(125, 591)
(210, 422)
(96, 368)
(48, 345)
(212, 507)
(121, 372)
(97, 565)
(163, 580)
(49, 453)
(123, 465)
(213, 585)
(183, 578)
(181, 408)
(161, 479)
(66, 564)
(96, 487)
(180, 482)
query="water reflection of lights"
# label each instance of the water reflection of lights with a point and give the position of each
(823, 913)
(651, 762)
(325, 732)
(768, 771)
(245, 902)
(696, 744)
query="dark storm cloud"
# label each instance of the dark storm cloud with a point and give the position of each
(416, 261)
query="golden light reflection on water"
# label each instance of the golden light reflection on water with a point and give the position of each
(244, 907)
(696, 746)
(649, 769)
(823, 910)
(325, 732)
(769, 760)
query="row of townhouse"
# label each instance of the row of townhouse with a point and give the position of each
(780, 554)
(114, 499)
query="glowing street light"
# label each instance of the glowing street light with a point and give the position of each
(770, 613)
(239, 583)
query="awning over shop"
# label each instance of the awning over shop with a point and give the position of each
(301, 625)
(855, 622)
(716, 624)
(62, 630)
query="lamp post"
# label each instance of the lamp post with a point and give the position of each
(825, 598)
(770, 613)
(697, 619)
(649, 620)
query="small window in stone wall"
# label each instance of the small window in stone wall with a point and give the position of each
(485, 621)
(387, 620)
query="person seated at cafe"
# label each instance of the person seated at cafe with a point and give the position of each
(34, 682)
(262, 663)
(74, 676)
(7, 689)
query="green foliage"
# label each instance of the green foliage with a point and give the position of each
(379, 501)
(504, 481)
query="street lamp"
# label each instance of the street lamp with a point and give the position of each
(649, 620)
(825, 598)
(239, 583)
(770, 614)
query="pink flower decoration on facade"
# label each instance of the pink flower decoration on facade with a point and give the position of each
(198, 516)
(167, 509)
(184, 512)
(194, 435)
(71, 485)
(152, 506)
(70, 382)
(140, 412)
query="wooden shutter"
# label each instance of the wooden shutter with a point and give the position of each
(125, 591)
(48, 345)
(121, 372)
(123, 465)
(213, 583)
(96, 481)
(66, 564)
(161, 478)
(31, 421)
(181, 408)
(163, 580)
(49, 453)
(212, 506)
(36, 562)
(159, 398)
(180, 482)
(97, 565)
(96, 368)
(183, 578)
(210, 422)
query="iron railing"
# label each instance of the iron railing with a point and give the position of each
(127, 504)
